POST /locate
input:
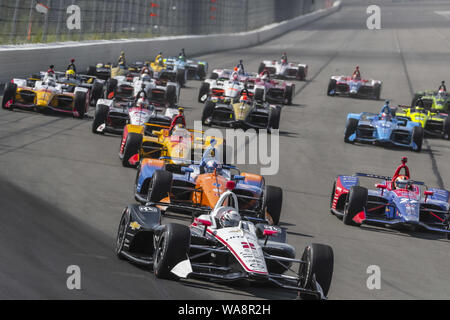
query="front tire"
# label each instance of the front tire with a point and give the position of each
(121, 233)
(80, 104)
(350, 128)
(9, 95)
(331, 90)
(100, 117)
(160, 186)
(204, 90)
(207, 114)
(417, 138)
(357, 202)
(132, 147)
(273, 201)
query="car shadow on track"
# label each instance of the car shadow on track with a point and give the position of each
(406, 233)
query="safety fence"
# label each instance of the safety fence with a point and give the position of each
(31, 21)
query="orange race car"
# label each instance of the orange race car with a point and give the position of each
(197, 187)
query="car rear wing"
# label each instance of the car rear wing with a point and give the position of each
(374, 176)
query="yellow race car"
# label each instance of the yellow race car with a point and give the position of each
(176, 146)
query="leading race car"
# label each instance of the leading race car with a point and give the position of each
(222, 245)
(190, 186)
(195, 69)
(46, 95)
(284, 70)
(397, 202)
(354, 87)
(383, 129)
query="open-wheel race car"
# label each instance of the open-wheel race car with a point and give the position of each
(223, 245)
(397, 202)
(284, 70)
(354, 87)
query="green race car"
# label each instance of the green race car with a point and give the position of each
(432, 100)
(434, 122)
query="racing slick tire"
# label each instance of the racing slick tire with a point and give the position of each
(331, 87)
(121, 233)
(171, 248)
(100, 116)
(160, 186)
(97, 92)
(259, 94)
(181, 77)
(201, 72)
(214, 76)
(417, 138)
(274, 119)
(91, 71)
(80, 104)
(447, 128)
(261, 67)
(301, 74)
(319, 260)
(171, 95)
(111, 86)
(333, 191)
(9, 95)
(204, 90)
(356, 202)
(377, 91)
(350, 128)
(208, 111)
(416, 98)
(290, 94)
(273, 201)
(132, 146)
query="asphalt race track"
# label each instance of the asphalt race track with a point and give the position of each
(63, 189)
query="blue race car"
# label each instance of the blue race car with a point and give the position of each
(383, 129)
(195, 69)
(398, 202)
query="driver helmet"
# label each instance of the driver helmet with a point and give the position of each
(146, 77)
(402, 182)
(230, 218)
(441, 93)
(244, 98)
(70, 74)
(235, 77)
(142, 103)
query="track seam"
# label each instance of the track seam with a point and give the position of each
(434, 165)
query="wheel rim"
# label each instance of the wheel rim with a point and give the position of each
(159, 250)
(121, 233)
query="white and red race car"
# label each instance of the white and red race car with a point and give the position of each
(280, 70)
(354, 87)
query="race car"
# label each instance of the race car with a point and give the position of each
(195, 69)
(100, 70)
(162, 91)
(220, 88)
(155, 141)
(70, 82)
(172, 72)
(355, 88)
(397, 202)
(46, 95)
(434, 122)
(272, 91)
(432, 100)
(112, 115)
(284, 70)
(223, 245)
(383, 129)
(225, 74)
(243, 114)
(197, 186)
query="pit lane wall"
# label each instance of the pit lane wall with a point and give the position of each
(23, 60)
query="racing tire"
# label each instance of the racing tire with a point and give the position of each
(204, 90)
(319, 260)
(274, 119)
(261, 67)
(273, 201)
(9, 94)
(447, 128)
(259, 95)
(350, 128)
(132, 147)
(171, 95)
(201, 72)
(111, 86)
(80, 104)
(357, 201)
(333, 191)
(208, 111)
(97, 92)
(290, 94)
(100, 116)
(331, 87)
(416, 98)
(171, 248)
(121, 233)
(377, 91)
(160, 186)
(91, 71)
(301, 74)
(417, 138)
(181, 77)
(214, 76)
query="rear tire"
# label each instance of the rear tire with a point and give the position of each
(171, 95)
(91, 71)
(290, 94)
(214, 76)
(171, 249)
(261, 67)
(181, 77)
(132, 147)
(9, 95)
(417, 138)
(273, 201)
(320, 263)
(201, 72)
(100, 117)
(301, 74)
(274, 120)
(80, 104)
(377, 91)
(160, 186)
(350, 129)
(97, 92)
(357, 201)
(259, 94)
(111, 86)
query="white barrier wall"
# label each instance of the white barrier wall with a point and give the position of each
(21, 61)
